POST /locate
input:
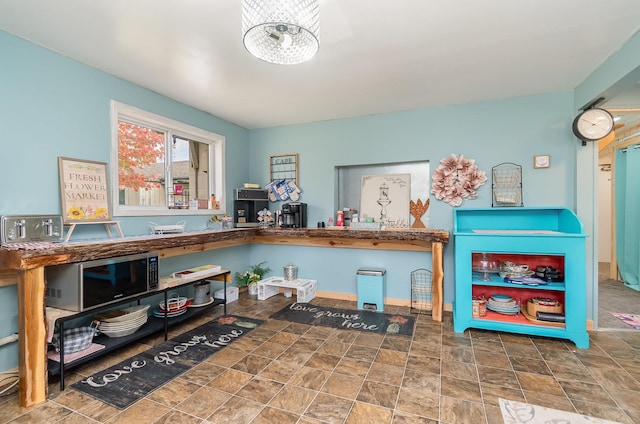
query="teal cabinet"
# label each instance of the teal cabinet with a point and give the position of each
(535, 237)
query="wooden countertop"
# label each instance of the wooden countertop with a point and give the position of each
(192, 242)
(427, 234)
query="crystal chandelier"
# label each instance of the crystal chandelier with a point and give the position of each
(281, 31)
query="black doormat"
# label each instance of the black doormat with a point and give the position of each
(361, 320)
(132, 379)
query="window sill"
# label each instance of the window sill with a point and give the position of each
(168, 212)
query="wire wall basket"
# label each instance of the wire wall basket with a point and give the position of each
(507, 185)
(421, 285)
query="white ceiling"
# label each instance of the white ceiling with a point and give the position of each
(376, 56)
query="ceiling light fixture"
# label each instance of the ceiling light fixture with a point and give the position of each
(284, 32)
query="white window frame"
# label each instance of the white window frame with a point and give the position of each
(121, 111)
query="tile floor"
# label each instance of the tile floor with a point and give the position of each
(294, 373)
(614, 296)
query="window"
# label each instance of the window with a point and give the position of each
(163, 167)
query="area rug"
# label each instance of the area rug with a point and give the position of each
(132, 379)
(629, 319)
(367, 321)
(519, 413)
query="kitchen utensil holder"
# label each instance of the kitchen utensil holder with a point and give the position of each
(290, 272)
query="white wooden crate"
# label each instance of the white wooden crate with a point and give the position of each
(305, 289)
(232, 294)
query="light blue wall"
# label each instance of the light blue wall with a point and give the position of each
(53, 106)
(619, 72)
(511, 130)
(8, 325)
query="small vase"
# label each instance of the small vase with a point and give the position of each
(253, 289)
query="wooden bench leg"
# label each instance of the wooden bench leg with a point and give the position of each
(438, 277)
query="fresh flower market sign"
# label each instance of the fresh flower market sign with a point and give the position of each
(84, 190)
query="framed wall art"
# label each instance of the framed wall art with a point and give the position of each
(386, 198)
(284, 167)
(84, 190)
(541, 161)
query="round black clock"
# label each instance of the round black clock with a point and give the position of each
(593, 124)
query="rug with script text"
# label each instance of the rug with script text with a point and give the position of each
(632, 320)
(130, 380)
(361, 320)
(514, 412)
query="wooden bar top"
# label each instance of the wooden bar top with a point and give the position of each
(191, 242)
(400, 234)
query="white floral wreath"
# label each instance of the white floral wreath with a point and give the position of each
(457, 179)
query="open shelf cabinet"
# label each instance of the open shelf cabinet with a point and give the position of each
(153, 324)
(525, 235)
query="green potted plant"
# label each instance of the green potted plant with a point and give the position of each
(251, 277)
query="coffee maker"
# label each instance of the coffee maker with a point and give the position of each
(247, 202)
(294, 215)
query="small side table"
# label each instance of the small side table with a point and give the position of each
(305, 289)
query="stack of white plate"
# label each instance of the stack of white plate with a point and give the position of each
(123, 322)
(503, 304)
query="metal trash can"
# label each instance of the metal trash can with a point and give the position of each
(370, 287)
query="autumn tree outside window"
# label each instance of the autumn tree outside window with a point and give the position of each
(159, 165)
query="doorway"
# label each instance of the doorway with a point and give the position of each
(613, 296)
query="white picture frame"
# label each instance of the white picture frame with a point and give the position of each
(541, 161)
(84, 190)
(386, 198)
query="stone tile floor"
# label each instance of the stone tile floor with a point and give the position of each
(614, 296)
(294, 373)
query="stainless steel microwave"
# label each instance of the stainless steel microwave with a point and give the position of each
(86, 285)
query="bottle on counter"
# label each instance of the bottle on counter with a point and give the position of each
(340, 219)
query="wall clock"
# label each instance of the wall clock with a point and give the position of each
(593, 124)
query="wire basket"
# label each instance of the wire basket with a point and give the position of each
(167, 229)
(507, 184)
(175, 302)
(421, 287)
(507, 197)
(506, 175)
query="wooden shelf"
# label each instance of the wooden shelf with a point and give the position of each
(500, 283)
(153, 324)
